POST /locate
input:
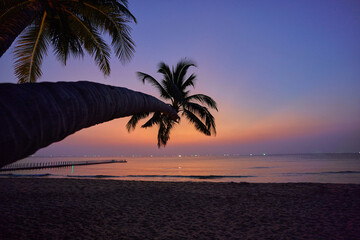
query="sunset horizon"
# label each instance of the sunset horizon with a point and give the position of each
(137, 119)
(286, 79)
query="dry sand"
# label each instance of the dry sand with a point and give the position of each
(105, 209)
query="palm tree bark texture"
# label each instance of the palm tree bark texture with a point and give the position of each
(34, 115)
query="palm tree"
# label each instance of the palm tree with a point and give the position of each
(34, 115)
(70, 26)
(174, 88)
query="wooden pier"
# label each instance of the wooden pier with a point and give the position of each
(40, 165)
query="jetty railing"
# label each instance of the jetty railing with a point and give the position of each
(38, 165)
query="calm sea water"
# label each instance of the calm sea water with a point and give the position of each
(321, 168)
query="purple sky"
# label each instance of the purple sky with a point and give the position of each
(285, 74)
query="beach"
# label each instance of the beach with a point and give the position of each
(34, 208)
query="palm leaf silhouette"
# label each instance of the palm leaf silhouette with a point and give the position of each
(174, 87)
(70, 26)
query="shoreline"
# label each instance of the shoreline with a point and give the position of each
(51, 208)
(164, 178)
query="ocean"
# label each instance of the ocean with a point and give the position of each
(317, 168)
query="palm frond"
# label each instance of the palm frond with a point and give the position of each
(199, 125)
(123, 8)
(93, 43)
(165, 70)
(165, 127)
(195, 108)
(131, 124)
(29, 52)
(181, 70)
(190, 81)
(72, 26)
(186, 94)
(123, 44)
(173, 90)
(203, 99)
(160, 137)
(64, 37)
(203, 113)
(210, 123)
(155, 119)
(146, 77)
(111, 19)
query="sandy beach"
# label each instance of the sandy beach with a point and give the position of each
(107, 209)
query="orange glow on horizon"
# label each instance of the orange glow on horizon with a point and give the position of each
(245, 130)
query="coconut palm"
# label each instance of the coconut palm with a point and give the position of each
(34, 115)
(174, 89)
(69, 26)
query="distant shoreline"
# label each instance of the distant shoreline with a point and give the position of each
(190, 155)
(98, 209)
(329, 168)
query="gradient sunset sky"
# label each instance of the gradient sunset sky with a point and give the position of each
(285, 75)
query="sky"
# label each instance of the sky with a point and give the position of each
(285, 75)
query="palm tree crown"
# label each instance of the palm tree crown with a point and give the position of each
(70, 26)
(174, 88)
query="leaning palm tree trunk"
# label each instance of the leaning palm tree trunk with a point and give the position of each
(34, 115)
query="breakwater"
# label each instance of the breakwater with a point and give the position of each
(38, 165)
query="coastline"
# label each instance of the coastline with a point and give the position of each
(112, 209)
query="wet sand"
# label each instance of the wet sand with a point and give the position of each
(107, 209)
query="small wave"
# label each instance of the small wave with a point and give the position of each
(324, 173)
(92, 176)
(160, 176)
(259, 167)
(187, 176)
(341, 172)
